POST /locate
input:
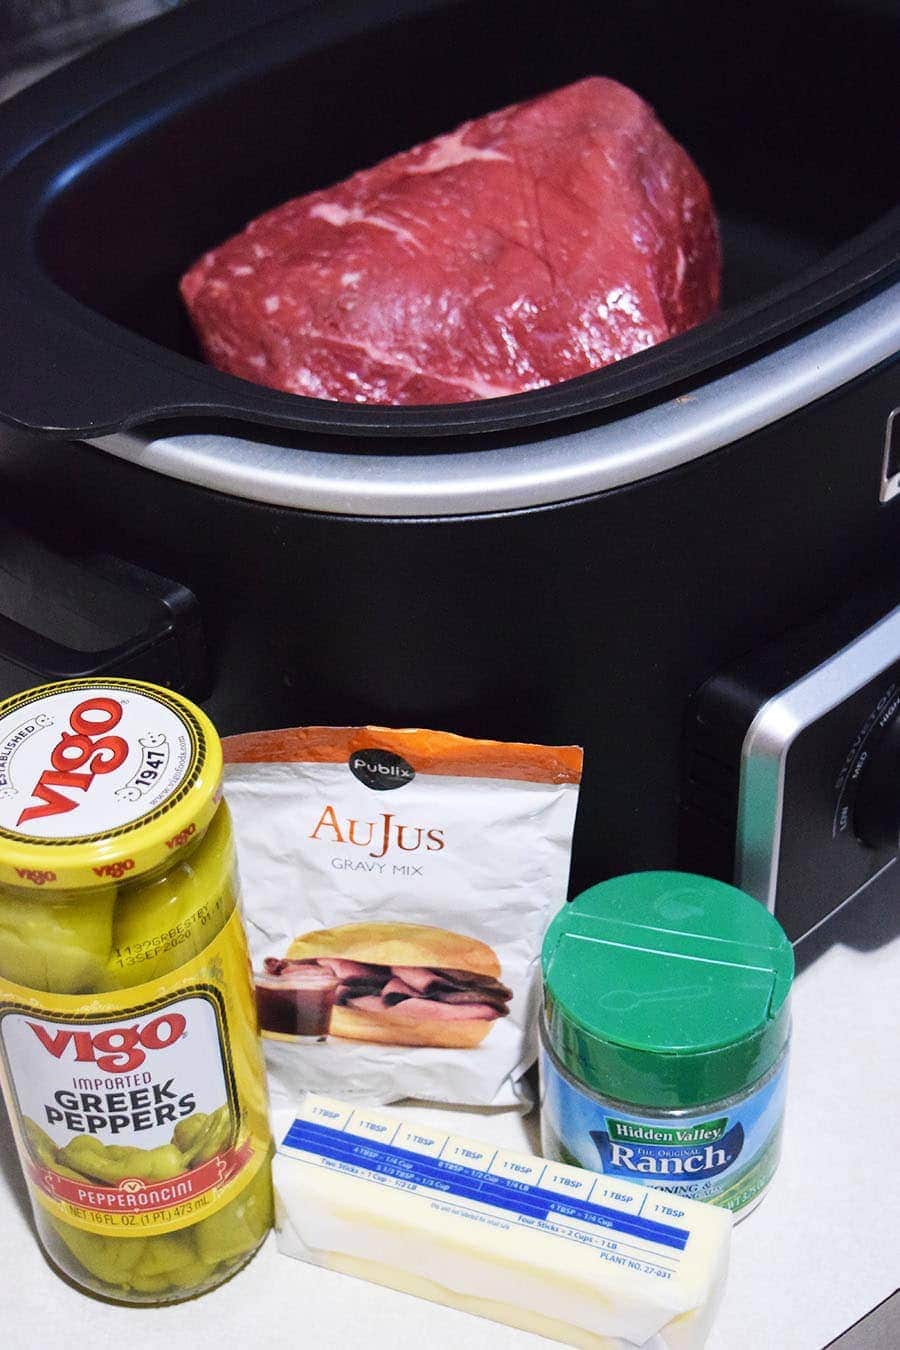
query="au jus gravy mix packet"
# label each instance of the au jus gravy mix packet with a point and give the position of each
(397, 886)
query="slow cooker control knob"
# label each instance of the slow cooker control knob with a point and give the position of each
(876, 816)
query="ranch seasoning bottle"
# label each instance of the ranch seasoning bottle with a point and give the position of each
(129, 1057)
(664, 1036)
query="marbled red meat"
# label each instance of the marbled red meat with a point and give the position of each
(526, 247)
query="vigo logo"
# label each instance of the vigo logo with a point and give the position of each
(116, 869)
(78, 756)
(36, 878)
(182, 837)
(116, 1048)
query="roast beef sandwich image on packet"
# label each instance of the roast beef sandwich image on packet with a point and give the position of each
(543, 1246)
(399, 983)
(397, 886)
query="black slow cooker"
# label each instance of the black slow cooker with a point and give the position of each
(687, 562)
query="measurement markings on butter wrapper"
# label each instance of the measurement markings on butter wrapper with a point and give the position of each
(520, 1203)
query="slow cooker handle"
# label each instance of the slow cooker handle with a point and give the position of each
(70, 373)
(165, 647)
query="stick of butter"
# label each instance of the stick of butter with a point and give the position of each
(552, 1249)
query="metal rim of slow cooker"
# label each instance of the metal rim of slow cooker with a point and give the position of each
(574, 463)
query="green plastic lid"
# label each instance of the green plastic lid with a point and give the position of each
(665, 989)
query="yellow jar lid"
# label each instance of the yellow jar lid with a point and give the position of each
(101, 780)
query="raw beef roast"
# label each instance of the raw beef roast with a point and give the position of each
(524, 248)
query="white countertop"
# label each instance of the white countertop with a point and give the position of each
(821, 1250)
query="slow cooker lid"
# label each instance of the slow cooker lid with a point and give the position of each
(83, 364)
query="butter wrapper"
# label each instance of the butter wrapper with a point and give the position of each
(539, 1245)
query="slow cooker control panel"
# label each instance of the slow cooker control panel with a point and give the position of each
(876, 809)
(792, 767)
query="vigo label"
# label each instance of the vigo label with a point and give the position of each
(725, 1156)
(129, 1119)
(85, 761)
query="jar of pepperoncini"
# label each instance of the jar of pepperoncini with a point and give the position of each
(129, 1055)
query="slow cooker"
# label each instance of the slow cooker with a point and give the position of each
(687, 562)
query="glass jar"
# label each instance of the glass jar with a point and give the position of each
(129, 1053)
